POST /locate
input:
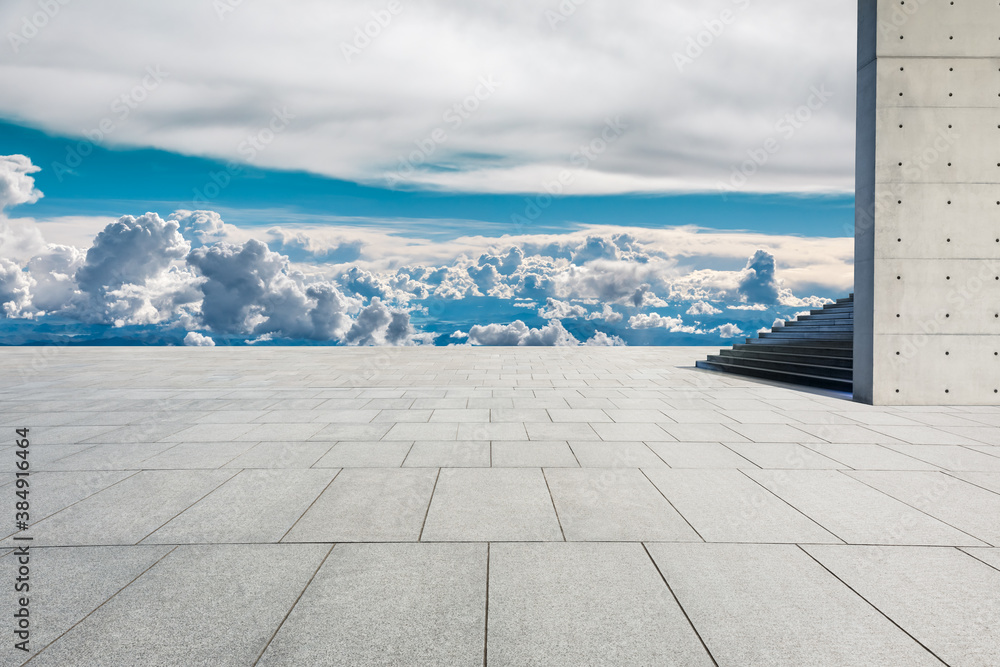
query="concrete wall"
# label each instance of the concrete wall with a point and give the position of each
(927, 224)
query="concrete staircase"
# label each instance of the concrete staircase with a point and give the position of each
(815, 350)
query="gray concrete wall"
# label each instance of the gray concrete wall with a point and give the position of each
(927, 224)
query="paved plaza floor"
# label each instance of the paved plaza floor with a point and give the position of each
(487, 506)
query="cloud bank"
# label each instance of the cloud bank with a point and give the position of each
(456, 95)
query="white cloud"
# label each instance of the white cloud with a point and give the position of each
(195, 339)
(518, 333)
(607, 314)
(16, 184)
(15, 290)
(687, 129)
(560, 310)
(727, 331)
(601, 339)
(657, 321)
(702, 308)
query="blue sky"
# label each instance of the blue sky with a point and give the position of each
(519, 175)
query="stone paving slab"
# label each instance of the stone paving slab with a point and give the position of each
(491, 506)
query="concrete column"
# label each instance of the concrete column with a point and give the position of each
(927, 224)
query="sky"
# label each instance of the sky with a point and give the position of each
(526, 172)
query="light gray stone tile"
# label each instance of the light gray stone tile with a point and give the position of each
(784, 456)
(987, 480)
(352, 432)
(955, 502)
(255, 506)
(869, 457)
(279, 432)
(66, 435)
(699, 455)
(68, 584)
(698, 416)
(365, 455)
(415, 432)
(230, 417)
(549, 432)
(394, 416)
(726, 506)
(106, 457)
(773, 605)
(847, 433)
(952, 457)
(698, 432)
(208, 433)
(534, 454)
(130, 510)
(368, 505)
(989, 556)
(524, 415)
(584, 604)
(773, 433)
(630, 432)
(857, 513)
(449, 454)
(924, 435)
(946, 600)
(596, 505)
(474, 415)
(578, 416)
(201, 605)
(634, 415)
(389, 604)
(616, 455)
(51, 492)
(492, 431)
(196, 455)
(281, 455)
(491, 504)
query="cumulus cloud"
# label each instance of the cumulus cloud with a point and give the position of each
(758, 283)
(560, 310)
(518, 333)
(15, 290)
(607, 314)
(16, 184)
(130, 251)
(201, 228)
(729, 330)
(601, 339)
(195, 339)
(655, 320)
(702, 308)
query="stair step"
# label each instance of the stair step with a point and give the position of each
(777, 356)
(809, 342)
(792, 378)
(785, 367)
(807, 335)
(801, 350)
